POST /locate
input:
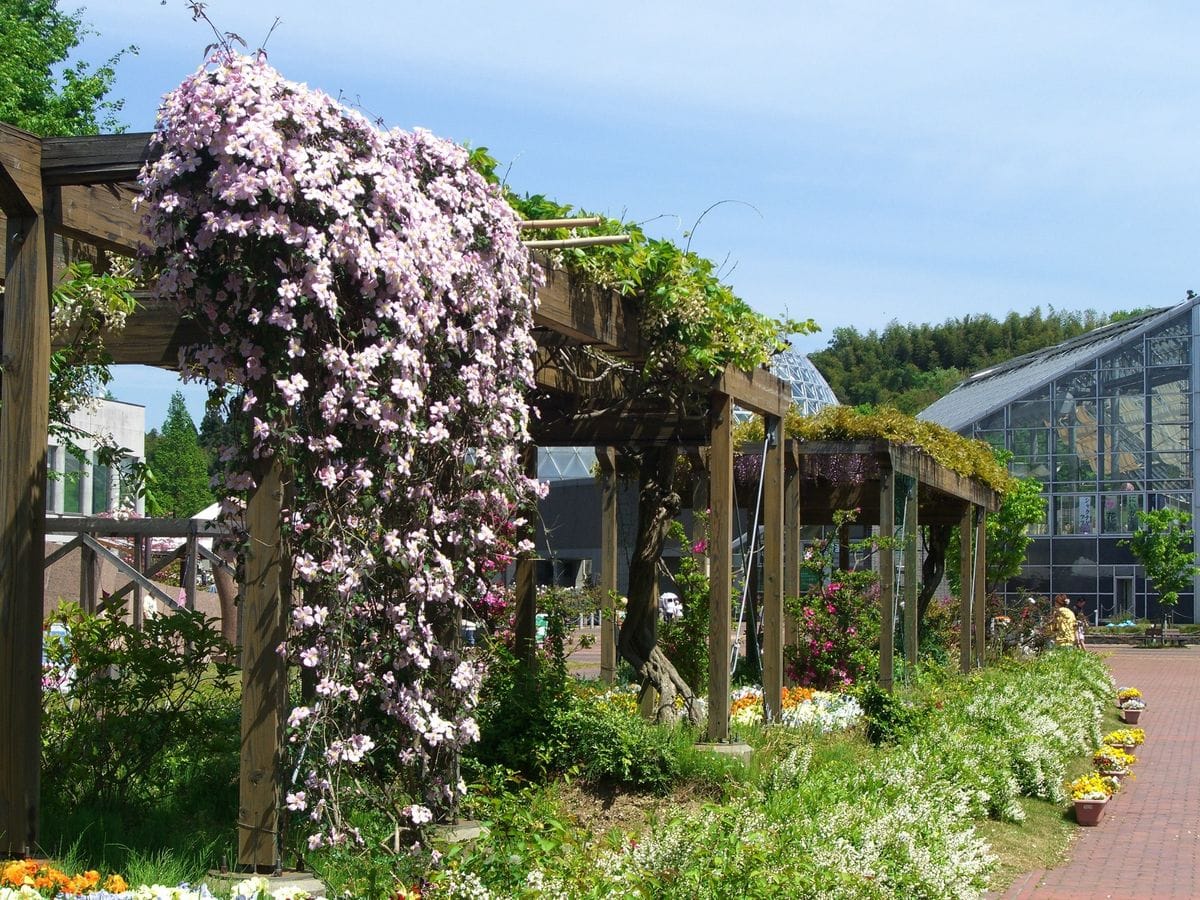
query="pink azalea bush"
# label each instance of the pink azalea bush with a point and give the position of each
(368, 309)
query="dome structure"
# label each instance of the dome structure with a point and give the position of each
(810, 391)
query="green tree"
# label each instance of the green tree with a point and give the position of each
(1008, 535)
(1166, 547)
(43, 92)
(179, 465)
(40, 91)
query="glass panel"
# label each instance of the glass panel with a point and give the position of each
(1080, 383)
(1126, 410)
(1121, 365)
(100, 476)
(1030, 467)
(1169, 466)
(1075, 515)
(1029, 414)
(1074, 581)
(1073, 468)
(1175, 437)
(1030, 441)
(1180, 501)
(1123, 439)
(1037, 395)
(1169, 351)
(1169, 396)
(1119, 512)
(1080, 439)
(995, 438)
(72, 484)
(994, 422)
(1177, 327)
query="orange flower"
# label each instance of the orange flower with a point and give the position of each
(115, 884)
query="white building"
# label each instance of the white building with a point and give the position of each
(82, 488)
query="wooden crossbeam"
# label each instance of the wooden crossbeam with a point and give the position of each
(125, 569)
(94, 159)
(758, 391)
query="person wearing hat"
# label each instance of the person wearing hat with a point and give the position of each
(669, 606)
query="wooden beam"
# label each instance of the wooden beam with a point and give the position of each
(633, 426)
(773, 580)
(920, 465)
(95, 159)
(720, 495)
(587, 313)
(758, 391)
(20, 174)
(177, 528)
(264, 676)
(96, 214)
(152, 336)
(24, 414)
(966, 533)
(89, 578)
(887, 580)
(607, 458)
(980, 585)
(912, 567)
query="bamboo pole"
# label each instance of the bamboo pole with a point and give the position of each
(546, 224)
(564, 243)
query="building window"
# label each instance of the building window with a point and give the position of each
(72, 483)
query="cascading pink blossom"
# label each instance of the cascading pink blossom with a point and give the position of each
(367, 303)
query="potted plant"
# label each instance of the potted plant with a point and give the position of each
(1090, 795)
(1113, 761)
(1125, 738)
(1131, 702)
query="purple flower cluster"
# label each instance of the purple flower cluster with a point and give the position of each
(368, 304)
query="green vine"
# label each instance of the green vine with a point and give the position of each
(969, 458)
(692, 324)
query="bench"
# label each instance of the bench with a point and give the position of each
(1155, 637)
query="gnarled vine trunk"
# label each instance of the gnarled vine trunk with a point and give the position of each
(658, 504)
(934, 567)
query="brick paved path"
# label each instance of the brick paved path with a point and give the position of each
(1148, 846)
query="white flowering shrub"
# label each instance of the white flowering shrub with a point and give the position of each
(364, 295)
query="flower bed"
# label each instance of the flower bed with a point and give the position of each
(851, 822)
(802, 708)
(29, 879)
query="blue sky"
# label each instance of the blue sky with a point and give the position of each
(908, 162)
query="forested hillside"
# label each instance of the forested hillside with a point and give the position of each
(910, 366)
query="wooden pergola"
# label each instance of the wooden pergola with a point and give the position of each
(864, 475)
(81, 189)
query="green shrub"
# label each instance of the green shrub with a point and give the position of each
(142, 705)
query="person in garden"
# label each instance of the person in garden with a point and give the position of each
(1062, 623)
(1080, 626)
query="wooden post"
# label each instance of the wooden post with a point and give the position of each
(791, 536)
(89, 578)
(24, 405)
(887, 578)
(191, 571)
(980, 585)
(264, 676)
(773, 581)
(966, 533)
(525, 618)
(138, 612)
(911, 567)
(607, 458)
(720, 497)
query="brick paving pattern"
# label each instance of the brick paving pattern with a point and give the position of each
(1148, 845)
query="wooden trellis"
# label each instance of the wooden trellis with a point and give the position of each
(81, 188)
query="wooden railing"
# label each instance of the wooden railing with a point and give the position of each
(88, 532)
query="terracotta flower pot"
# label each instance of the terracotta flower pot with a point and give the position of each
(1089, 812)
(1131, 716)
